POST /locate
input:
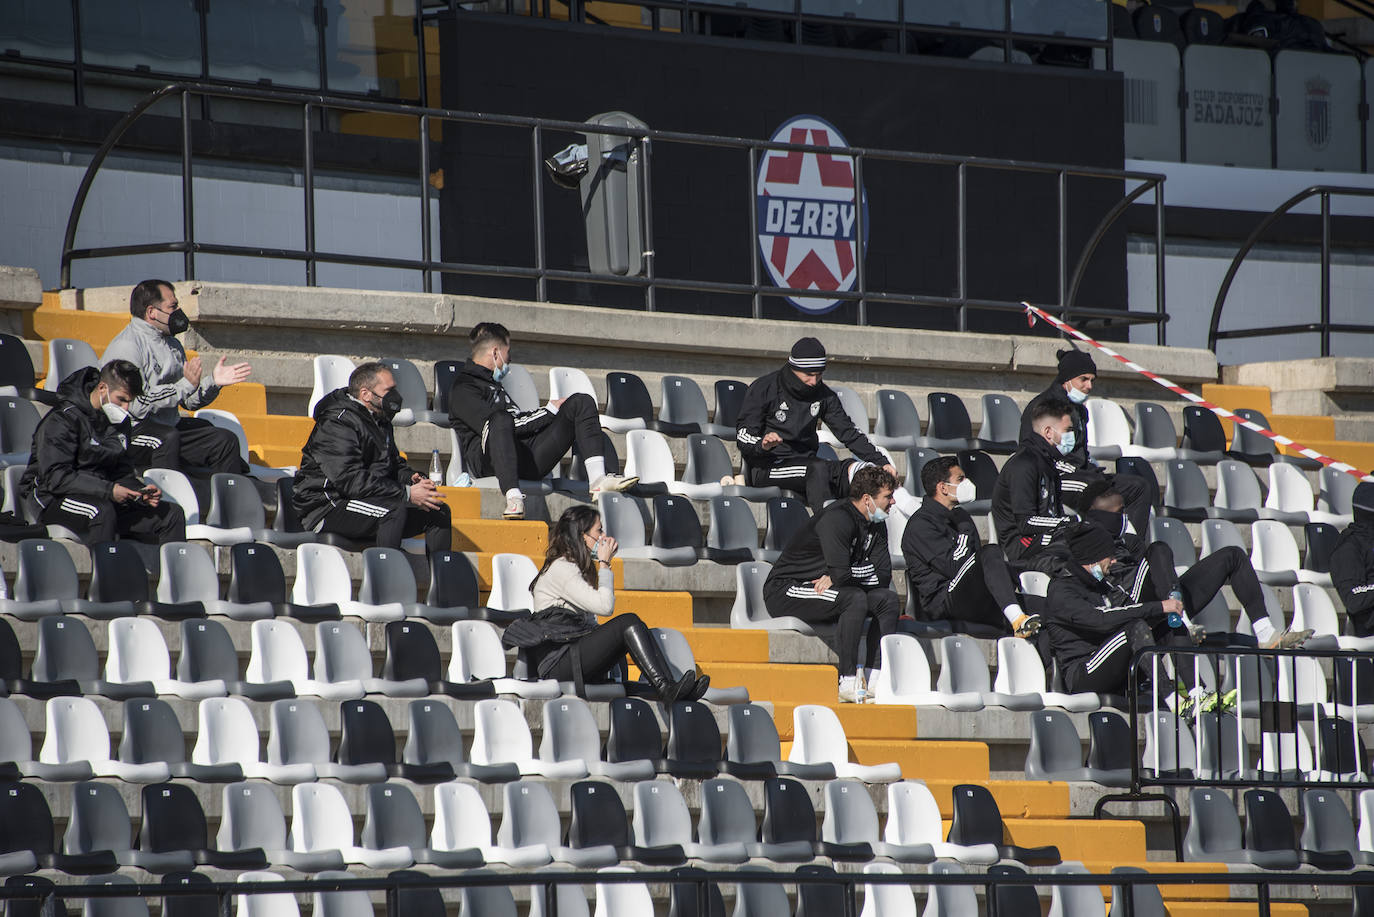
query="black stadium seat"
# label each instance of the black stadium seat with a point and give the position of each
(977, 820)
(1202, 27)
(598, 820)
(173, 821)
(366, 737)
(445, 372)
(1157, 23)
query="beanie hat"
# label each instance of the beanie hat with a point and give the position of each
(808, 355)
(1362, 501)
(1090, 543)
(1072, 364)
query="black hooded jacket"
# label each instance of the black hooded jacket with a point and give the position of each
(77, 452)
(1078, 459)
(937, 544)
(350, 455)
(781, 403)
(1352, 573)
(840, 543)
(474, 398)
(1081, 612)
(1027, 506)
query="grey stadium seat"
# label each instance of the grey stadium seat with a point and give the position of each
(18, 419)
(235, 503)
(251, 819)
(152, 733)
(708, 463)
(299, 736)
(682, 406)
(1186, 496)
(785, 517)
(899, 423)
(851, 819)
(753, 751)
(729, 396)
(414, 398)
(66, 652)
(342, 654)
(394, 820)
(1146, 900)
(1000, 431)
(570, 733)
(256, 577)
(1056, 751)
(434, 738)
(208, 654)
(734, 534)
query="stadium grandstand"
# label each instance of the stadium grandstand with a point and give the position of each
(633, 210)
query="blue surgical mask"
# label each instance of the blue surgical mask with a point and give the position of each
(1067, 442)
(500, 372)
(1096, 571)
(877, 515)
(1076, 396)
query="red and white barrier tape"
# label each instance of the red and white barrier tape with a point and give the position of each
(1032, 313)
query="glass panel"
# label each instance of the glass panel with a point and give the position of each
(257, 40)
(772, 6)
(370, 49)
(877, 10)
(36, 28)
(1075, 18)
(964, 14)
(158, 35)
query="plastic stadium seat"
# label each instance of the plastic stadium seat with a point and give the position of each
(1020, 671)
(264, 904)
(462, 825)
(887, 900)
(462, 817)
(676, 540)
(818, 738)
(634, 734)
(331, 372)
(1140, 468)
(853, 406)
(137, 653)
(1313, 608)
(1075, 900)
(299, 738)
(977, 820)
(66, 653)
(278, 654)
(963, 670)
(693, 746)
(726, 822)
(493, 900)
(788, 831)
(1146, 900)
(227, 420)
(112, 906)
(452, 594)
(598, 822)
(649, 458)
(571, 735)
(189, 575)
(152, 735)
(189, 904)
(749, 611)
(176, 488)
(433, 738)
(628, 406)
(412, 654)
(445, 372)
(1321, 540)
(622, 899)
(729, 394)
(208, 655)
(684, 895)
(99, 828)
(226, 734)
(678, 653)
(511, 576)
(174, 822)
(342, 655)
(1337, 490)
(1269, 838)
(1155, 438)
(26, 831)
(257, 578)
(1218, 534)
(45, 584)
(16, 753)
(1169, 747)
(753, 751)
(1218, 747)
(394, 823)
(414, 398)
(1328, 829)
(119, 581)
(251, 823)
(913, 818)
(899, 424)
(286, 520)
(759, 899)
(1214, 833)
(366, 738)
(682, 407)
(1274, 553)
(948, 428)
(1256, 449)
(18, 418)
(904, 678)
(733, 536)
(1109, 435)
(785, 517)
(1291, 500)
(1000, 430)
(625, 518)
(982, 471)
(519, 386)
(1110, 749)
(1056, 752)
(1238, 497)
(16, 370)
(1176, 535)
(320, 821)
(1185, 496)
(501, 736)
(479, 656)
(235, 505)
(388, 581)
(1204, 439)
(661, 820)
(340, 903)
(66, 356)
(708, 463)
(530, 819)
(851, 820)
(566, 380)
(1342, 754)
(322, 579)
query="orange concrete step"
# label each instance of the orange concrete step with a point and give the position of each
(464, 503)
(1360, 455)
(95, 328)
(933, 759)
(860, 721)
(721, 644)
(1015, 798)
(1209, 893)
(1303, 427)
(658, 609)
(797, 684)
(501, 536)
(1113, 840)
(244, 398)
(1234, 909)
(1232, 397)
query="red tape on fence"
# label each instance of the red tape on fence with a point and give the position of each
(1032, 313)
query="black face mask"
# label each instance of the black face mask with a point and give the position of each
(390, 404)
(177, 322)
(1114, 523)
(798, 389)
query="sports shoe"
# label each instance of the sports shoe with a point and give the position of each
(612, 483)
(1026, 626)
(851, 690)
(515, 508)
(1287, 639)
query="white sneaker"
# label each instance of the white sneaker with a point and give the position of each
(612, 483)
(851, 690)
(515, 508)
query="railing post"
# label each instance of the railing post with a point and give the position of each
(1326, 274)
(754, 276)
(188, 207)
(541, 285)
(308, 182)
(1063, 242)
(962, 252)
(647, 215)
(860, 278)
(426, 243)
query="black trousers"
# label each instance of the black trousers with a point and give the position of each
(387, 522)
(816, 479)
(511, 455)
(192, 443)
(599, 651)
(1133, 490)
(1105, 671)
(849, 608)
(1200, 583)
(100, 520)
(981, 588)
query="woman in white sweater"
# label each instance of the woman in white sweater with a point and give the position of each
(577, 575)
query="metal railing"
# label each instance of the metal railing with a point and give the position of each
(50, 900)
(1323, 326)
(644, 140)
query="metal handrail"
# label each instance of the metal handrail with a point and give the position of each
(540, 273)
(1323, 325)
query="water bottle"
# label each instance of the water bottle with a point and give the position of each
(1175, 621)
(436, 470)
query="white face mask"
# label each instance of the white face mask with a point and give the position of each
(1077, 396)
(113, 412)
(965, 491)
(1066, 442)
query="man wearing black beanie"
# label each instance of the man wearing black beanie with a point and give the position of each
(1352, 563)
(1094, 627)
(777, 426)
(1074, 382)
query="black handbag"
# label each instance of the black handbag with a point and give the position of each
(556, 625)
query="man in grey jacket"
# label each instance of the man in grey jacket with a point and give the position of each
(161, 437)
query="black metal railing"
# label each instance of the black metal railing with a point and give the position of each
(650, 281)
(1323, 326)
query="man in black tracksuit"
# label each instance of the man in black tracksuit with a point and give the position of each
(80, 474)
(947, 566)
(498, 438)
(1074, 382)
(352, 480)
(777, 430)
(1352, 563)
(1094, 627)
(837, 569)
(1027, 504)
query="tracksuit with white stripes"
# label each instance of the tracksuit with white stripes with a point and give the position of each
(353, 482)
(781, 403)
(955, 576)
(1094, 629)
(1352, 572)
(161, 437)
(78, 456)
(1027, 507)
(838, 542)
(1077, 469)
(498, 438)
